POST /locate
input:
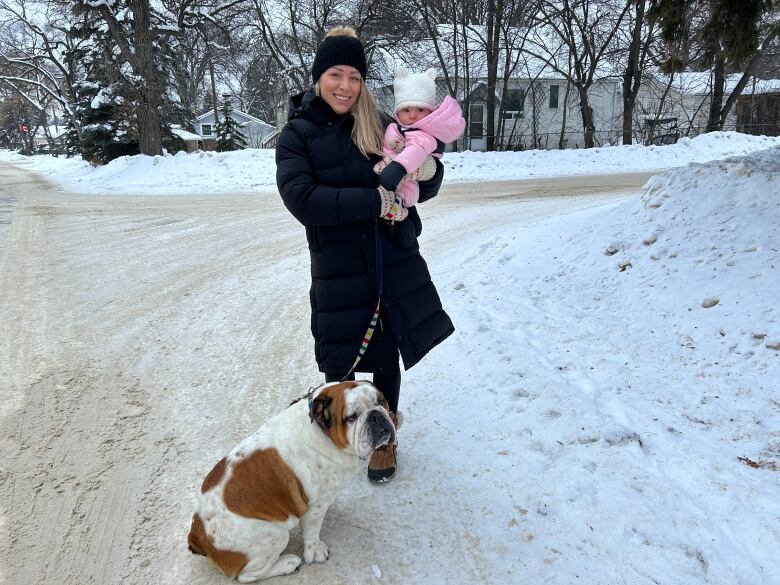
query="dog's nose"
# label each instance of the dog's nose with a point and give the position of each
(373, 417)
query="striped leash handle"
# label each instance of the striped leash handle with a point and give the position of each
(366, 339)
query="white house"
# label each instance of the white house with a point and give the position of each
(253, 128)
(539, 112)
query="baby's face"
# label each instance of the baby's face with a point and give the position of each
(410, 115)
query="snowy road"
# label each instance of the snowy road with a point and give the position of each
(141, 337)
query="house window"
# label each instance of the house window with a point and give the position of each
(476, 121)
(515, 104)
(206, 129)
(554, 90)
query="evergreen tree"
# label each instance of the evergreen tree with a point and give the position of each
(728, 35)
(229, 135)
(106, 130)
(71, 145)
(172, 111)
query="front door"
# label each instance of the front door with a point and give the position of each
(476, 136)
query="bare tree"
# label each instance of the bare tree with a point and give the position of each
(582, 31)
(32, 53)
(642, 23)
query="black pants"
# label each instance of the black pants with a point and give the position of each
(388, 383)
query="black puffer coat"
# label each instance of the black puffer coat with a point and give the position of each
(331, 188)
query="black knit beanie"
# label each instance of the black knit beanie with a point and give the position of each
(339, 50)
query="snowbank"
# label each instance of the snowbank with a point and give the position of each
(254, 170)
(621, 422)
(481, 166)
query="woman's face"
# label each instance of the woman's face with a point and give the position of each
(340, 87)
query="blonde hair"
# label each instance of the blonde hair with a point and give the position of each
(367, 133)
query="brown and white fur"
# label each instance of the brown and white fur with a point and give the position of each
(290, 470)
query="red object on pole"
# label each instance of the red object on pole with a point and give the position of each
(24, 128)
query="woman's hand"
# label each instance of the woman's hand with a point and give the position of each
(392, 209)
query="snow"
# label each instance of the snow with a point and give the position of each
(606, 412)
(254, 169)
(185, 134)
(103, 98)
(610, 418)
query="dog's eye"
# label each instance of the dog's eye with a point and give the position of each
(351, 418)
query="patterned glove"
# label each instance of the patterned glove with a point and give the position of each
(380, 166)
(392, 209)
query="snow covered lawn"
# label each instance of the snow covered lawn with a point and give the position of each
(610, 404)
(254, 170)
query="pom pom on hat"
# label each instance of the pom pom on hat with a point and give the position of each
(414, 89)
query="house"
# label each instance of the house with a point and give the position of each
(537, 107)
(685, 98)
(758, 108)
(253, 128)
(192, 141)
(538, 111)
(541, 111)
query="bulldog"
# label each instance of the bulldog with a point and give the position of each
(290, 470)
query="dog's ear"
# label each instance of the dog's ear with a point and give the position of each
(319, 411)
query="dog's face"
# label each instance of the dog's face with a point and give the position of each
(354, 415)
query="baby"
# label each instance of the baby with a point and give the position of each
(421, 129)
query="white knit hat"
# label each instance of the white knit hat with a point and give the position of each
(414, 89)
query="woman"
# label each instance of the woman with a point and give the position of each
(325, 158)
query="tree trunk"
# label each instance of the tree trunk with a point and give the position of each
(148, 113)
(632, 75)
(737, 91)
(493, 29)
(562, 139)
(587, 118)
(149, 130)
(714, 121)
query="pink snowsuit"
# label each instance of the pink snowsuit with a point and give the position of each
(445, 123)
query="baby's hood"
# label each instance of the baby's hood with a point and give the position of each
(445, 123)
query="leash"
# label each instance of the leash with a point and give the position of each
(371, 326)
(375, 317)
(308, 396)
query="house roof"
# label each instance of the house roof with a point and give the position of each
(251, 117)
(699, 83)
(184, 134)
